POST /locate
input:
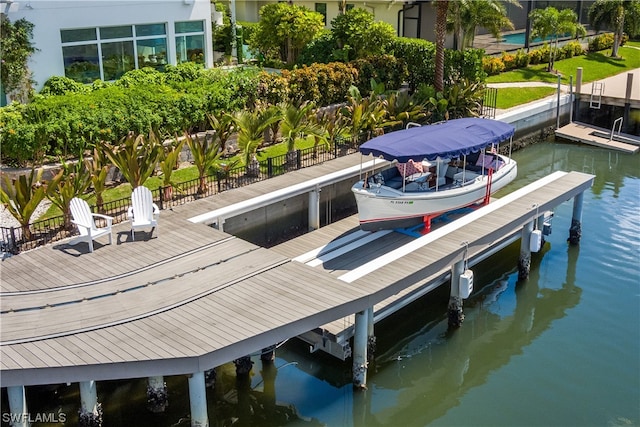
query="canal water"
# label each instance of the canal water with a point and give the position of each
(561, 348)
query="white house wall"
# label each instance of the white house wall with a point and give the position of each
(49, 17)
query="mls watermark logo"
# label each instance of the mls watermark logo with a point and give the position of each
(38, 417)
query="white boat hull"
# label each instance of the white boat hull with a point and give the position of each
(382, 207)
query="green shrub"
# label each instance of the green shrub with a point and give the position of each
(522, 59)
(419, 57)
(385, 69)
(248, 28)
(142, 76)
(319, 50)
(60, 85)
(335, 79)
(22, 141)
(272, 88)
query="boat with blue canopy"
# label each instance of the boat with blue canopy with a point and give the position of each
(433, 169)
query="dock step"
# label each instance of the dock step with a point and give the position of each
(626, 138)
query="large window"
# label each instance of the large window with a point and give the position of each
(322, 9)
(108, 52)
(190, 41)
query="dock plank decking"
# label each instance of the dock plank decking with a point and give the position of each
(588, 134)
(213, 298)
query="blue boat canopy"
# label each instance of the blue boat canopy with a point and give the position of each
(450, 139)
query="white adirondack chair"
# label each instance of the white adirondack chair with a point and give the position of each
(143, 212)
(84, 219)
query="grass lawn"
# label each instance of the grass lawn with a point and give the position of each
(511, 96)
(595, 66)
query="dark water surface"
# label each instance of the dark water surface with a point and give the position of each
(559, 349)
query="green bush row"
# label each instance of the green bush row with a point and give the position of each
(67, 117)
(522, 59)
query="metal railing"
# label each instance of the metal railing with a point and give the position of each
(38, 233)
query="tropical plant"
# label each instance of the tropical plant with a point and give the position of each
(549, 22)
(205, 152)
(402, 108)
(136, 156)
(284, 29)
(168, 163)
(71, 181)
(364, 115)
(99, 168)
(611, 14)
(251, 127)
(22, 196)
(333, 123)
(15, 50)
(222, 126)
(298, 123)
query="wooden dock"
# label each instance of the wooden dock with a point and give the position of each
(193, 298)
(600, 137)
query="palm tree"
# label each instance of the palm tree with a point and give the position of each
(609, 14)
(251, 126)
(72, 181)
(136, 155)
(442, 7)
(205, 152)
(99, 169)
(168, 163)
(297, 123)
(490, 14)
(551, 22)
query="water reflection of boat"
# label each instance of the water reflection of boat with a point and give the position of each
(439, 168)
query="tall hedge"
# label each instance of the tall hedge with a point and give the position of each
(65, 124)
(419, 56)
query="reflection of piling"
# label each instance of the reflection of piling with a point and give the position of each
(269, 374)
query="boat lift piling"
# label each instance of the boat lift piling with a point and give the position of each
(575, 232)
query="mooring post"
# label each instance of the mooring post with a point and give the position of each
(360, 350)
(243, 365)
(627, 102)
(157, 396)
(314, 208)
(371, 337)
(198, 400)
(524, 262)
(268, 354)
(455, 313)
(578, 92)
(18, 406)
(90, 414)
(575, 232)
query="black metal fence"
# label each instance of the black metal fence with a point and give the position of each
(41, 232)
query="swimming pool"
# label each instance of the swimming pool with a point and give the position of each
(518, 38)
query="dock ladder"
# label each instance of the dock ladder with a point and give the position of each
(596, 95)
(618, 122)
